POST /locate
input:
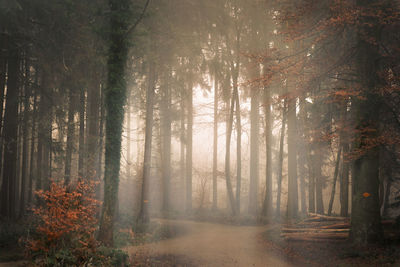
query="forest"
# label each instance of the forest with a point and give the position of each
(199, 133)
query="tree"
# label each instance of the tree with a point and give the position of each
(115, 95)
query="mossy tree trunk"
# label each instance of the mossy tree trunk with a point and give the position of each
(115, 96)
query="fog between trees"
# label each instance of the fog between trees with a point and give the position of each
(263, 109)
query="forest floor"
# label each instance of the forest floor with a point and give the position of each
(216, 244)
(211, 244)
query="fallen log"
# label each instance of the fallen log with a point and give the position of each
(316, 235)
(336, 226)
(316, 240)
(337, 218)
(318, 230)
(322, 218)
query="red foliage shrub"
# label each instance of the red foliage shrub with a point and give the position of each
(66, 224)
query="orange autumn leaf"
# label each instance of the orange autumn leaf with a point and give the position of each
(366, 194)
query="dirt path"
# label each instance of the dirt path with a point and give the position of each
(208, 244)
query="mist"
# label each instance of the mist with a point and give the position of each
(199, 133)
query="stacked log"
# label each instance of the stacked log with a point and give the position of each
(320, 228)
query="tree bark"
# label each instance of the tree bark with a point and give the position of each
(81, 146)
(228, 154)
(366, 225)
(143, 216)
(280, 159)
(32, 149)
(239, 140)
(267, 206)
(302, 153)
(215, 144)
(93, 101)
(166, 143)
(70, 137)
(25, 143)
(182, 148)
(115, 97)
(189, 146)
(254, 148)
(335, 175)
(292, 209)
(344, 183)
(8, 189)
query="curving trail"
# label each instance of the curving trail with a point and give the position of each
(209, 244)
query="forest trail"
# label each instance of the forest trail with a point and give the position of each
(209, 244)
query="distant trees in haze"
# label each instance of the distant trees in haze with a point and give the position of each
(320, 79)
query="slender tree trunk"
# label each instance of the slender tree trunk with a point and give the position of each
(81, 148)
(239, 142)
(292, 210)
(182, 148)
(166, 144)
(335, 175)
(128, 139)
(143, 216)
(46, 116)
(302, 153)
(3, 70)
(101, 137)
(189, 147)
(254, 149)
(215, 145)
(8, 190)
(25, 143)
(70, 137)
(228, 154)
(93, 129)
(318, 178)
(344, 183)
(32, 149)
(267, 206)
(280, 160)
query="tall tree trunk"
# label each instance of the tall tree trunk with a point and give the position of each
(70, 137)
(344, 183)
(25, 143)
(189, 146)
(280, 159)
(254, 148)
(81, 146)
(101, 137)
(215, 144)
(3, 70)
(166, 143)
(32, 149)
(335, 175)
(143, 216)
(267, 206)
(93, 101)
(366, 225)
(302, 153)
(8, 190)
(239, 141)
(317, 160)
(182, 148)
(115, 97)
(292, 209)
(46, 117)
(128, 139)
(228, 154)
